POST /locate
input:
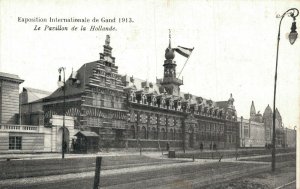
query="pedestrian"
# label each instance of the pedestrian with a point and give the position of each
(168, 146)
(201, 147)
(65, 146)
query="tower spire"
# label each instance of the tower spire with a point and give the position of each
(169, 38)
(252, 111)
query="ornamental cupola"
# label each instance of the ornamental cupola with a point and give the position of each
(169, 53)
(170, 82)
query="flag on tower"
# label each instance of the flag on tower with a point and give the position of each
(186, 52)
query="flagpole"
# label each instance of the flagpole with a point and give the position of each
(185, 63)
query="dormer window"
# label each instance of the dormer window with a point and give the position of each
(205, 109)
(209, 102)
(196, 108)
(179, 103)
(158, 102)
(154, 101)
(187, 107)
(171, 104)
(144, 99)
(200, 108)
(220, 113)
(132, 97)
(138, 97)
(163, 103)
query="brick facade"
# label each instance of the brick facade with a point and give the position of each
(127, 112)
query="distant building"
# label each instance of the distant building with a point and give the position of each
(15, 137)
(252, 133)
(31, 135)
(9, 97)
(31, 101)
(257, 131)
(290, 137)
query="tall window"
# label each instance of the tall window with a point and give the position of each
(112, 101)
(143, 133)
(132, 132)
(102, 100)
(15, 143)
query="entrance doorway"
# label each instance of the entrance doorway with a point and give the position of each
(59, 139)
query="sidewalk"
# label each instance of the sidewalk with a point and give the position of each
(4, 157)
(153, 154)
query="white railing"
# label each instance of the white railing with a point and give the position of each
(18, 128)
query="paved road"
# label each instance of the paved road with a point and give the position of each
(193, 174)
(45, 167)
(129, 172)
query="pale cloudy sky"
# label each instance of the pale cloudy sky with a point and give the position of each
(235, 46)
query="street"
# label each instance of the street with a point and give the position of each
(133, 171)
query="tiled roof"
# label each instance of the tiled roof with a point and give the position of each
(156, 87)
(88, 134)
(35, 94)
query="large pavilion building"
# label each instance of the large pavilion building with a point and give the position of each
(125, 111)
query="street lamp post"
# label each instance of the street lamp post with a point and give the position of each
(63, 85)
(293, 12)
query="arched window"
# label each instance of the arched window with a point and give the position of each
(144, 99)
(163, 103)
(171, 134)
(175, 135)
(139, 98)
(132, 132)
(200, 108)
(171, 104)
(162, 134)
(158, 102)
(154, 101)
(153, 133)
(143, 133)
(132, 97)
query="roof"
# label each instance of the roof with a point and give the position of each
(138, 83)
(11, 77)
(87, 134)
(83, 75)
(35, 94)
(222, 104)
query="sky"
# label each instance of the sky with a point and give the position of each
(234, 46)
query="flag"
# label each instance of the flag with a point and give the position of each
(186, 52)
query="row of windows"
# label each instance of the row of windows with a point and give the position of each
(211, 127)
(153, 134)
(175, 105)
(102, 100)
(209, 136)
(231, 139)
(142, 133)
